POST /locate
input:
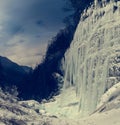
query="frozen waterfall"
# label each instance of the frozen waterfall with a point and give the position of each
(92, 63)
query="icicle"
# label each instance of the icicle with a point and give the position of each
(88, 59)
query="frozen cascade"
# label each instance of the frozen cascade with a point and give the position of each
(92, 64)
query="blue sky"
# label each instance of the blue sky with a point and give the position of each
(26, 26)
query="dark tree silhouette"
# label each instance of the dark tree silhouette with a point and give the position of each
(42, 83)
(1, 73)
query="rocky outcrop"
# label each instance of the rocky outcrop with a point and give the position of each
(14, 112)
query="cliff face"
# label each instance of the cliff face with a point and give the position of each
(92, 64)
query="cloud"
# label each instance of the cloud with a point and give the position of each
(26, 27)
(39, 23)
(39, 54)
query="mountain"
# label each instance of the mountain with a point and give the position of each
(91, 80)
(12, 73)
(92, 63)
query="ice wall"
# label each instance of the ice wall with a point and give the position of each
(92, 64)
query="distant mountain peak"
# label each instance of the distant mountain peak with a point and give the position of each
(7, 63)
(12, 73)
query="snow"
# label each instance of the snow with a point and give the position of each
(67, 113)
(13, 111)
(107, 118)
(64, 106)
(113, 92)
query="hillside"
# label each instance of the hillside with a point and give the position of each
(12, 73)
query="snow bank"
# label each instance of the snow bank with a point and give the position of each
(111, 94)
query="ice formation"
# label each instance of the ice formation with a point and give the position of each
(92, 63)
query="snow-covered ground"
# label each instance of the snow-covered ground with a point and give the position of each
(64, 106)
(107, 114)
(13, 112)
(111, 117)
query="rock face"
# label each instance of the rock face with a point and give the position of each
(92, 64)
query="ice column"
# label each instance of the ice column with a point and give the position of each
(91, 56)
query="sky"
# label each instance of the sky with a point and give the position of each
(26, 26)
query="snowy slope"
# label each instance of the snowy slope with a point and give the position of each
(92, 64)
(14, 112)
(65, 108)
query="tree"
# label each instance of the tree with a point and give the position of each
(42, 83)
(77, 7)
(1, 73)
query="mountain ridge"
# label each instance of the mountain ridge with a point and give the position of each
(11, 72)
